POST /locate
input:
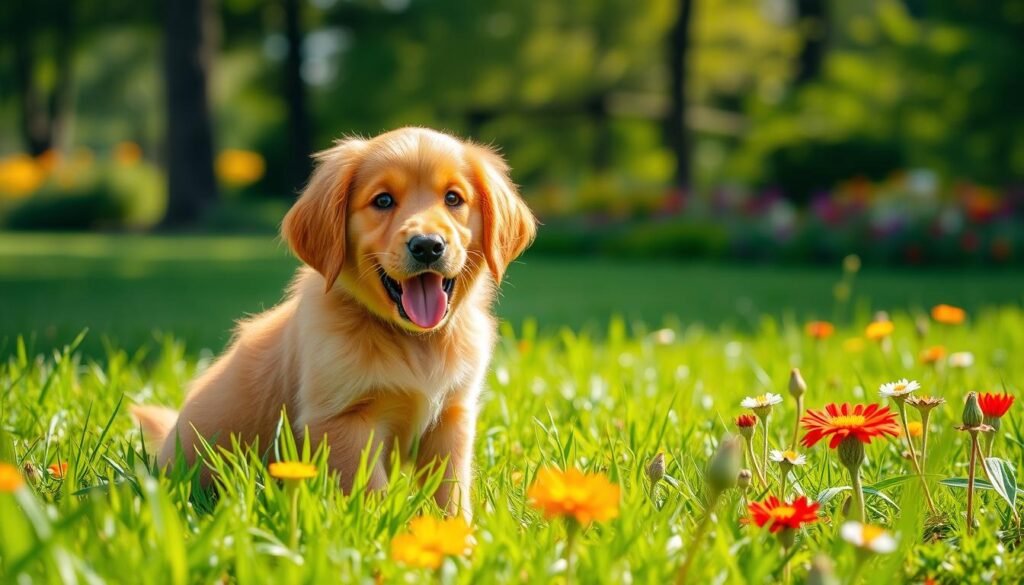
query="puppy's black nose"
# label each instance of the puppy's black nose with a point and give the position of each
(426, 248)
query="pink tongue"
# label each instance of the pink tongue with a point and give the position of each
(424, 300)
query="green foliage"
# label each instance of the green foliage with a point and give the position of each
(606, 403)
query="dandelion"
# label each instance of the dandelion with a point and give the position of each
(292, 470)
(879, 330)
(961, 360)
(948, 314)
(932, 355)
(784, 519)
(762, 407)
(993, 407)
(583, 497)
(868, 538)
(973, 420)
(10, 478)
(899, 391)
(820, 330)
(429, 540)
(239, 168)
(849, 428)
(59, 469)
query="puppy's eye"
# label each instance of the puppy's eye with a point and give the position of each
(383, 201)
(452, 199)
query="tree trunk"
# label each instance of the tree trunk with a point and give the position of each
(676, 132)
(295, 95)
(812, 16)
(188, 48)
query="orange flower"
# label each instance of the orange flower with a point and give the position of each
(820, 329)
(292, 470)
(585, 497)
(933, 354)
(746, 420)
(915, 428)
(879, 330)
(778, 515)
(20, 176)
(948, 314)
(127, 153)
(994, 405)
(58, 469)
(842, 421)
(10, 478)
(430, 540)
(238, 168)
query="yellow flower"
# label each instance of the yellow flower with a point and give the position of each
(879, 330)
(915, 428)
(10, 478)
(948, 314)
(127, 153)
(238, 168)
(20, 175)
(429, 540)
(933, 354)
(572, 493)
(294, 470)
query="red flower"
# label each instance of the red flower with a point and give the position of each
(994, 405)
(778, 515)
(863, 422)
(746, 420)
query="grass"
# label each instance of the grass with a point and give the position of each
(128, 289)
(605, 403)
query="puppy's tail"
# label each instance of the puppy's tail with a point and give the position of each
(156, 422)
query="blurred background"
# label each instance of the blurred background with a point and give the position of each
(711, 160)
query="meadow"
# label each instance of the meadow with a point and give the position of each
(572, 388)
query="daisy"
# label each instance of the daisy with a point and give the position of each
(868, 537)
(763, 401)
(961, 359)
(788, 456)
(899, 389)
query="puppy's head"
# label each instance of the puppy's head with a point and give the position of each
(407, 221)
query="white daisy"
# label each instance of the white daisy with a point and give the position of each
(961, 359)
(765, 400)
(899, 388)
(792, 457)
(868, 537)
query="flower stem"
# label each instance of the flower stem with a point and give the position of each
(972, 469)
(293, 521)
(913, 457)
(571, 528)
(924, 439)
(764, 450)
(698, 536)
(754, 464)
(857, 511)
(796, 425)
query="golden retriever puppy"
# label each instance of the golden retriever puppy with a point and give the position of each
(386, 333)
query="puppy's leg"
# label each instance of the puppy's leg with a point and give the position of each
(348, 435)
(451, 437)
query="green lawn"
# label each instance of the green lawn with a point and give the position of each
(123, 288)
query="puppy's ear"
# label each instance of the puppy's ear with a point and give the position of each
(315, 226)
(509, 226)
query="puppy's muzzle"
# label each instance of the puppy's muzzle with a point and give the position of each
(426, 248)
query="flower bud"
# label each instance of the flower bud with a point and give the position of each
(724, 468)
(993, 421)
(921, 325)
(743, 479)
(797, 386)
(851, 452)
(787, 537)
(972, 417)
(822, 572)
(656, 468)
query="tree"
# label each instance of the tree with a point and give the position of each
(188, 52)
(295, 96)
(675, 127)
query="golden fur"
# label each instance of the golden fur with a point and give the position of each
(336, 353)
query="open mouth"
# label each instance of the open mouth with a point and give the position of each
(422, 299)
